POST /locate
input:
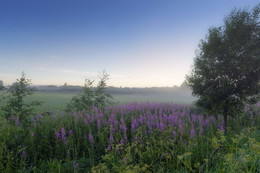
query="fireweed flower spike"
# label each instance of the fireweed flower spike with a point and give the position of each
(181, 130)
(91, 139)
(63, 135)
(75, 165)
(57, 134)
(192, 132)
(111, 139)
(70, 132)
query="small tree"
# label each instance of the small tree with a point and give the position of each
(84, 100)
(101, 97)
(16, 105)
(2, 88)
(91, 96)
(226, 71)
(1, 85)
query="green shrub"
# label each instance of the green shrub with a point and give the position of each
(91, 96)
(16, 108)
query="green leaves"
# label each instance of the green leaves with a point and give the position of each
(92, 96)
(16, 105)
(1, 85)
(226, 71)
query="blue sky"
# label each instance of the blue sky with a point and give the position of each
(140, 43)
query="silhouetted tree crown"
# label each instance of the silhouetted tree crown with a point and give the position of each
(226, 70)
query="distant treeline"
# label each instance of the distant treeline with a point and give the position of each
(176, 90)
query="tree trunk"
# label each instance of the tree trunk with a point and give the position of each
(225, 112)
(225, 121)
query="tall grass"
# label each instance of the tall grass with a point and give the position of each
(135, 137)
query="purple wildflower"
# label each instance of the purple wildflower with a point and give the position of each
(92, 119)
(133, 126)
(57, 134)
(247, 108)
(109, 148)
(221, 125)
(85, 122)
(111, 139)
(150, 128)
(221, 128)
(206, 123)
(200, 117)
(192, 132)
(213, 120)
(201, 130)
(157, 124)
(32, 134)
(162, 126)
(70, 132)
(181, 129)
(40, 116)
(88, 117)
(141, 119)
(75, 165)
(122, 141)
(99, 124)
(63, 135)
(193, 117)
(91, 139)
(23, 154)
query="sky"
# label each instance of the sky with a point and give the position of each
(139, 43)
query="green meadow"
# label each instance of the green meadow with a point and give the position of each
(101, 129)
(58, 100)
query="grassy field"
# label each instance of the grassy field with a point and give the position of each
(58, 100)
(129, 137)
(146, 137)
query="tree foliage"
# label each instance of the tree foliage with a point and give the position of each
(2, 88)
(91, 96)
(101, 97)
(226, 71)
(16, 105)
(1, 85)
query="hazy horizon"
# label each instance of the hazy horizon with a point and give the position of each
(139, 43)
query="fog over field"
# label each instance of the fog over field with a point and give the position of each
(129, 86)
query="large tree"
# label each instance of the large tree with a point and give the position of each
(226, 71)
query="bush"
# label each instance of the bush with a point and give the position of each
(16, 109)
(91, 96)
